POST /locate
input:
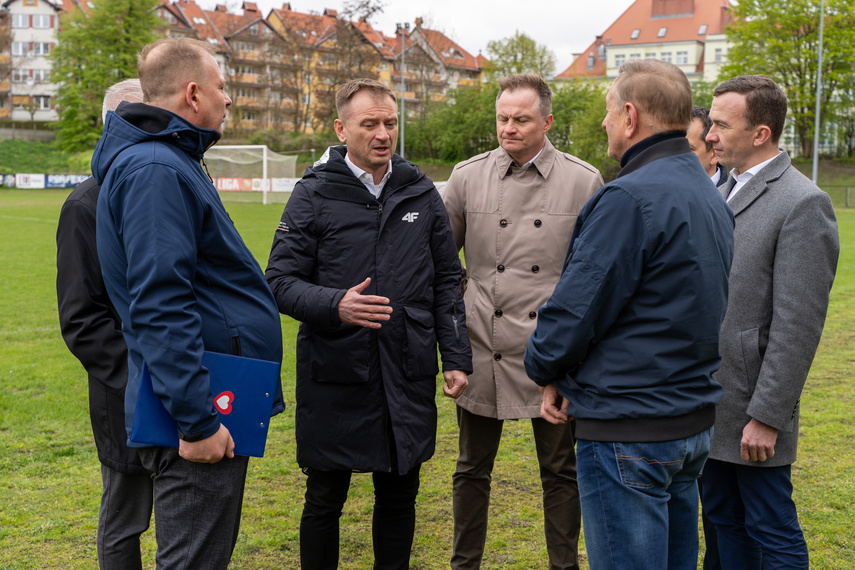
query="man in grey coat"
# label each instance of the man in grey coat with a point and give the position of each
(786, 249)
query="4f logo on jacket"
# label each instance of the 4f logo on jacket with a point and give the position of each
(410, 217)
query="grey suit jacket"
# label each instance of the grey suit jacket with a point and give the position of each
(785, 257)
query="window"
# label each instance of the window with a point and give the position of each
(167, 17)
(634, 35)
(682, 57)
(19, 48)
(42, 102)
(719, 55)
(307, 98)
(41, 21)
(619, 59)
(20, 20)
(199, 21)
(650, 55)
(662, 32)
(592, 58)
(41, 75)
(253, 30)
(20, 75)
(702, 30)
(41, 48)
(634, 56)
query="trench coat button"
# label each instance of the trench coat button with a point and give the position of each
(535, 268)
(537, 223)
(500, 268)
(498, 312)
(532, 315)
(497, 357)
(503, 222)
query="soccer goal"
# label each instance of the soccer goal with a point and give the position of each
(251, 168)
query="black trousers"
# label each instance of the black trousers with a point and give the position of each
(393, 526)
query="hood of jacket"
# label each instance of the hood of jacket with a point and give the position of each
(135, 123)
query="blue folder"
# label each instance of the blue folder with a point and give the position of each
(242, 389)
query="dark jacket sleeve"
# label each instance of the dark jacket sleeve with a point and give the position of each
(599, 280)
(292, 266)
(449, 312)
(89, 323)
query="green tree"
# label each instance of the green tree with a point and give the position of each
(780, 38)
(520, 54)
(93, 53)
(578, 108)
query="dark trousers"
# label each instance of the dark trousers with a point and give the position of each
(479, 442)
(754, 515)
(196, 508)
(125, 514)
(393, 526)
(711, 558)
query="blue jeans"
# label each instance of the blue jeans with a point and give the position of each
(754, 515)
(640, 502)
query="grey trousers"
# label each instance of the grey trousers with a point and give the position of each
(479, 442)
(197, 508)
(125, 514)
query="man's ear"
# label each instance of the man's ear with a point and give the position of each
(630, 120)
(762, 134)
(191, 96)
(339, 131)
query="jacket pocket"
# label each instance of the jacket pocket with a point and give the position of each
(420, 343)
(751, 359)
(340, 357)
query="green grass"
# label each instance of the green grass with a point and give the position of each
(50, 476)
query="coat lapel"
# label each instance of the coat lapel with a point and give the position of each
(758, 184)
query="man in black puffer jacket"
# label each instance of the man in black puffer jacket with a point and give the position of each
(364, 257)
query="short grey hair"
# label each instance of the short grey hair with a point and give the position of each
(128, 90)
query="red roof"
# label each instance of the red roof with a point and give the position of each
(683, 20)
(451, 53)
(308, 29)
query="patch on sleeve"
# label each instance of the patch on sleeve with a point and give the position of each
(283, 227)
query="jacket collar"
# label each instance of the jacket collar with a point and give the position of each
(542, 163)
(653, 148)
(758, 183)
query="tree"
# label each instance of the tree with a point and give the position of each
(780, 38)
(520, 54)
(578, 108)
(93, 53)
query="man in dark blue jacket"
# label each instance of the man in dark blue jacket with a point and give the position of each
(364, 257)
(183, 283)
(628, 341)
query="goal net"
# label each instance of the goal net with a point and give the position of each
(250, 168)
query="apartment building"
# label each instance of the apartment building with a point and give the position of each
(687, 33)
(281, 70)
(28, 32)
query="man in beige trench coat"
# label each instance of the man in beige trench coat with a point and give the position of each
(512, 210)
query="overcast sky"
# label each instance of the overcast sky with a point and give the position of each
(565, 27)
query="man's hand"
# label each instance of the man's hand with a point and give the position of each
(456, 382)
(209, 450)
(553, 408)
(363, 310)
(758, 441)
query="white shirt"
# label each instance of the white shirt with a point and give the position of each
(530, 162)
(367, 178)
(715, 177)
(743, 178)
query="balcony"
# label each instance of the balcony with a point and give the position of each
(4, 112)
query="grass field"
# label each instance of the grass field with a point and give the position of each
(50, 476)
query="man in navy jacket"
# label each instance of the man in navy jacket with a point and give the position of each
(183, 282)
(628, 341)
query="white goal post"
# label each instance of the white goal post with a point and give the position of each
(250, 168)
